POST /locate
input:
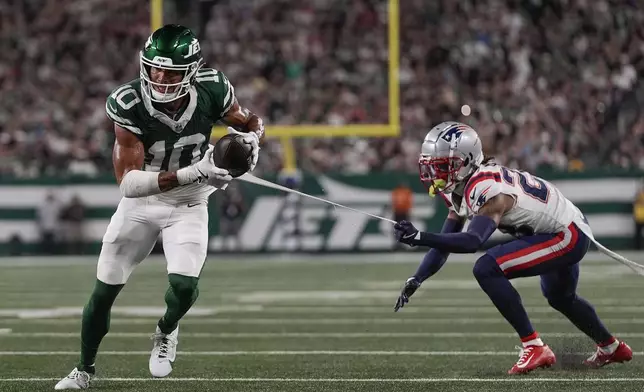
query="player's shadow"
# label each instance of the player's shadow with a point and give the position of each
(571, 353)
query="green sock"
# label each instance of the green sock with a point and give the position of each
(181, 295)
(96, 322)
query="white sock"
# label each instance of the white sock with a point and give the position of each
(533, 342)
(609, 349)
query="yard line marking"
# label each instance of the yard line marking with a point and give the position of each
(131, 311)
(345, 380)
(301, 304)
(291, 353)
(592, 259)
(295, 310)
(396, 320)
(338, 335)
(469, 310)
(4, 331)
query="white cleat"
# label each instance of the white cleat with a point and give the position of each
(164, 351)
(75, 380)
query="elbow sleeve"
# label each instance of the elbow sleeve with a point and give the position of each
(138, 183)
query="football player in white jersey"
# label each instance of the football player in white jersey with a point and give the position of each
(552, 236)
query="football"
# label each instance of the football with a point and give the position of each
(232, 154)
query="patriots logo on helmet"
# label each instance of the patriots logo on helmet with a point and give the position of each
(451, 134)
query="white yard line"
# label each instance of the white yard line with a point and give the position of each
(263, 259)
(315, 308)
(468, 310)
(392, 320)
(290, 335)
(290, 353)
(128, 311)
(521, 380)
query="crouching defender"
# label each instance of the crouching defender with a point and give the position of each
(164, 166)
(550, 240)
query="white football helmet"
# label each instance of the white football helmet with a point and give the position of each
(451, 151)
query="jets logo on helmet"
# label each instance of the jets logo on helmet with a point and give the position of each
(450, 152)
(170, 48)
(193, 48)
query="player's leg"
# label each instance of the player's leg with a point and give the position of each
(490, 272)
(185, 243)
(528, 256)
(129, 238)
(559, 287)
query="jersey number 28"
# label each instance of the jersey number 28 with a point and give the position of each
(531, 185)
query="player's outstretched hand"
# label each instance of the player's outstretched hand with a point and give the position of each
(203, 171)
(411, 285)
(252, 140)
(405, 232)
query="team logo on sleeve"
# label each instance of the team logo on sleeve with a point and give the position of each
(479, 201)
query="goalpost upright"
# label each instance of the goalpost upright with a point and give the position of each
(286, 132)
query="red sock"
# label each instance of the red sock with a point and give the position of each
(607, 342)
(530, 337)
(532, 340)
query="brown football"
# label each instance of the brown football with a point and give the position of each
(232, 154)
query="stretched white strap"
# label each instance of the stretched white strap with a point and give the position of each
(635, 267)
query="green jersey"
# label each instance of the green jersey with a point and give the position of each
(174, 142)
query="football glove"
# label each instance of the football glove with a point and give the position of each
(406, 233)
(410, 287)
(252, 139)
(203, 171)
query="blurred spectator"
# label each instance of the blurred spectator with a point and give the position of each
(290, 218)
(48, 215)
(402, 199)
(73, 216)
(16, 245)
(638, 215)
(543, 79)
(231, 218)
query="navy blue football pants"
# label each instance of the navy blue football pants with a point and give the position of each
(553, 257)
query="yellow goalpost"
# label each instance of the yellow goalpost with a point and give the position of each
(287, 132)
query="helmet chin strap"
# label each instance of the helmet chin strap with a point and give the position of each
(164, 97)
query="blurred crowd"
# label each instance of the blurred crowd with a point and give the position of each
(543, 81)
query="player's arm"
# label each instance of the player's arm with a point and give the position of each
(480, 229)
(432, 262)
(244, 120)
(128, 155)
(127, 158)
(436, 258)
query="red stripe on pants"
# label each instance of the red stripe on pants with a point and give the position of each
(549, 256)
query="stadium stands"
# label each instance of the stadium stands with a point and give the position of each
(549, 83)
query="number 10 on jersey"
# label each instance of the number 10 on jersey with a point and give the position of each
(170, 157)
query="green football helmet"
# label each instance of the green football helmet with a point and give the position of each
(175, 48)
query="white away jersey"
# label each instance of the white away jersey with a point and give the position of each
(539, 207)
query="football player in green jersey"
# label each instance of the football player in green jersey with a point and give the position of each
(164, 167)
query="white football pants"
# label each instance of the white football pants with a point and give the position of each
(134, 229)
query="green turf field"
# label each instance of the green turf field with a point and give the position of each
(321, 325)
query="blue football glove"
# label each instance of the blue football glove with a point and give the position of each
(406, 233)
(411, 285)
